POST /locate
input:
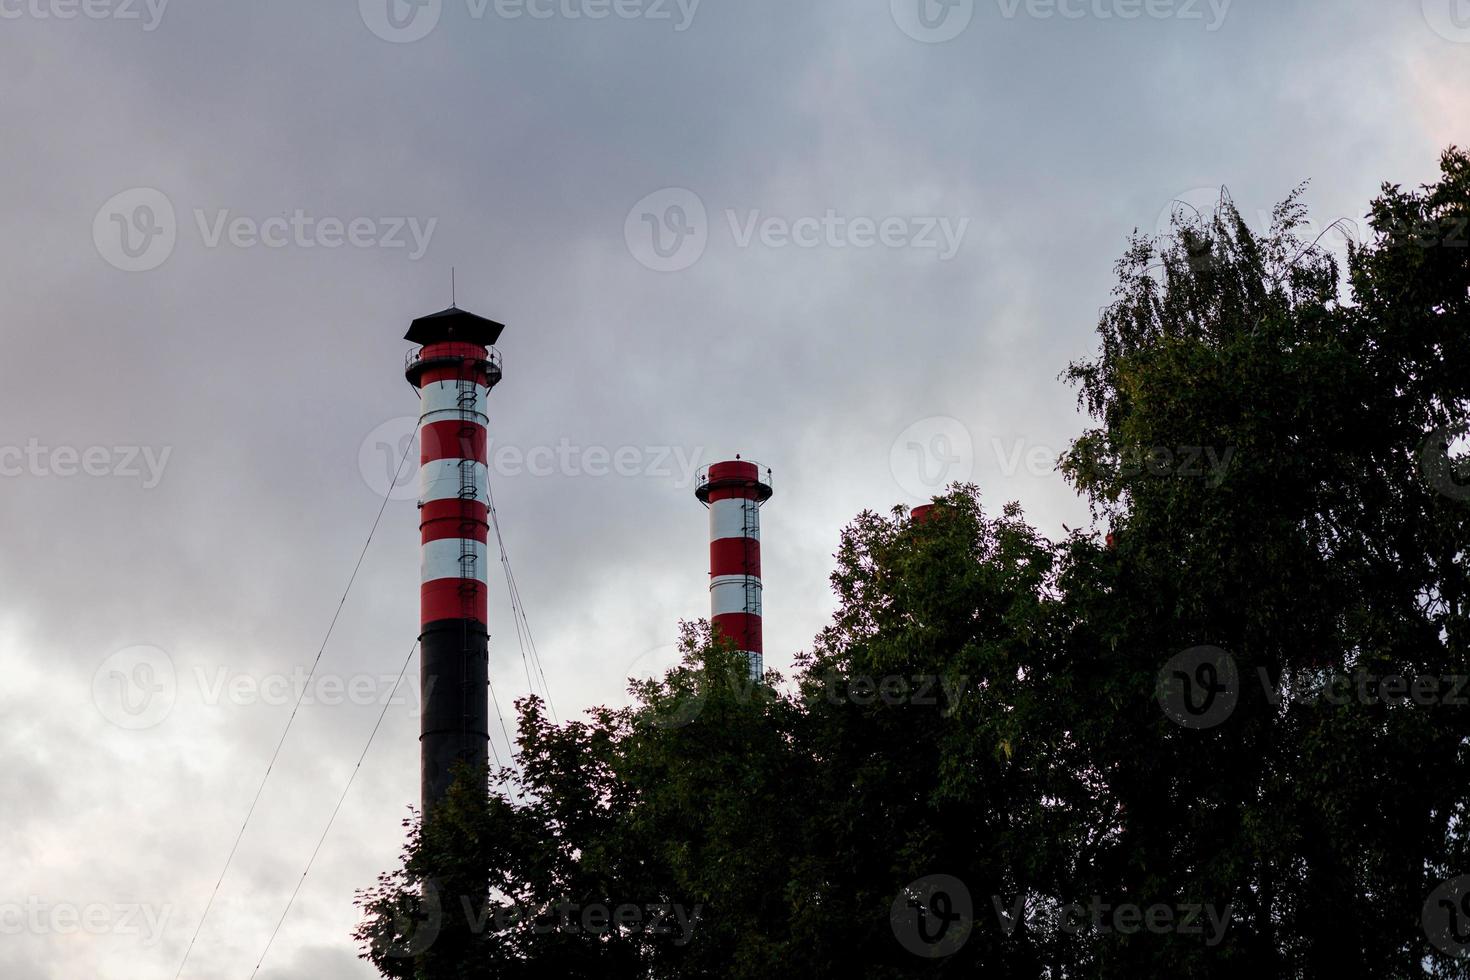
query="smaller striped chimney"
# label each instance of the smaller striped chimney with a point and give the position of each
(734, 492)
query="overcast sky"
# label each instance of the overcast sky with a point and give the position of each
(853, 239)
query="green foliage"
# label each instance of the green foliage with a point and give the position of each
(1269, 461)
(1323, 551)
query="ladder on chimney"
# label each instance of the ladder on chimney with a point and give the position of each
(469, 490)
(750, 532)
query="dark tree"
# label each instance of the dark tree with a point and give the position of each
(1237, 700)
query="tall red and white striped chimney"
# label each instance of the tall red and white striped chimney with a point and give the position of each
(734, 492)
(454, 369)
